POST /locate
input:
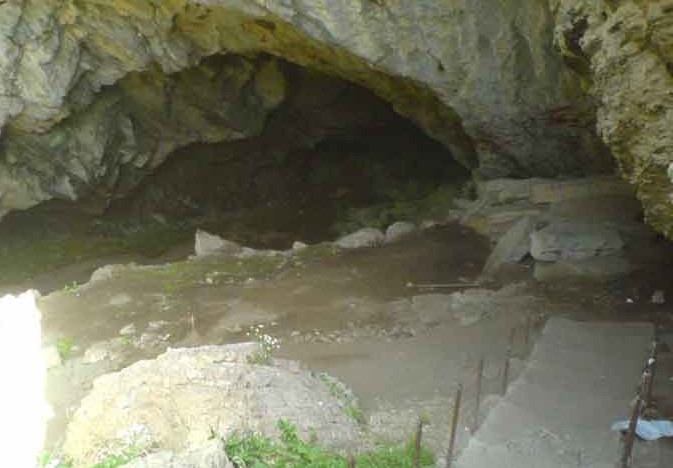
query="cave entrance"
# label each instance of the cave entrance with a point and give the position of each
(332, 158)
(325, 159)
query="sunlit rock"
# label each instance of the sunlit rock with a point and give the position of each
(206, 244)
(23, 405)
(178, 400)
(365, 237)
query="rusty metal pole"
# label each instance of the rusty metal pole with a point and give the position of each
(454, 425)
(351, 461)
(652, 365)
(508, 356)
(480, 374)
(630, 435)
(646, 386)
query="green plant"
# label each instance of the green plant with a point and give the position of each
(48, 459)
(252, 450)
(64, 346)
(340, 392)
(118, 459)
(354, 412)
(267, 344)
(71, 288)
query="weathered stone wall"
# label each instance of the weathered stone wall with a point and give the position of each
(480, 76)
(624, 50)
(483, 77)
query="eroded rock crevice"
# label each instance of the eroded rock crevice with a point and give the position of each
(628, 51)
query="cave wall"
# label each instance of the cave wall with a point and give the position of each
(485, 78)
(624, 52)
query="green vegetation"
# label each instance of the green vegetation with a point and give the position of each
(64, 346)
(339, 391)
(47, 459)
(316, 251)
(71, 288)
(26, 256)
(252, 450)
(119, 459)
(267, 345)
(174, 277)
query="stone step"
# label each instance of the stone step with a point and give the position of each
(580, 378)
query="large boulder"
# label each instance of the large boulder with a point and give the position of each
(399, 230)
(574, 241)
(176, 401)
(206, 244)
(365, 237)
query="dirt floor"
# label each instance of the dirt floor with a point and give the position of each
(384, 320)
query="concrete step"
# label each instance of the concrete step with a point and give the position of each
(579, 379)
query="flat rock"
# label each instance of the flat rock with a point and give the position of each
(366, 237)
(551, 191)
(500, 191)
(577, 381)
(210, 244)
(572, 241)
(513, 246)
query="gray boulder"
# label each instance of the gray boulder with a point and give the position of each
(366, 237)
(206, 244)
(399, 230)
(572, 241)
(176, 401)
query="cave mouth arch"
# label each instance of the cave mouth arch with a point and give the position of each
(332, 157)
(323, 156)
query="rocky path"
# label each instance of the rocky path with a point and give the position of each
(580, 379)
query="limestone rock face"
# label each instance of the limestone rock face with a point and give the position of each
(624, 52)
(176, 401)
(109, 146)
(94, 95)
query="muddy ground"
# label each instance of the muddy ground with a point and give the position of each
(375, 318)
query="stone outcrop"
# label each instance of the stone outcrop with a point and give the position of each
(624, 52)
(482, 78)
(94, 95)
(178, 400)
